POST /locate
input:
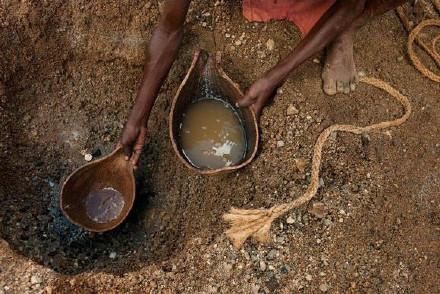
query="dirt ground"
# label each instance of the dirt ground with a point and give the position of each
(68, 75)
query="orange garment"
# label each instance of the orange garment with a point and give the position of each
(303, 13)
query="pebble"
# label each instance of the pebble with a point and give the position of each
(309, 277)
(262, 266)
(318, 209)
(400, 58)
(270, 44)
(272, 254)
(301, 164)
(88, 157)
(290, 220)
(112, 255)
(280, 144)
(291, 110)
(35, 279)
(227, 35)
(237, 43)
(323, 287)
(316, 60)
(255, 289)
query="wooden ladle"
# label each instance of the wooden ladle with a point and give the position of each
(111, 171)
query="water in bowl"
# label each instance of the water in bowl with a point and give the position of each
(212, 135)
(105, 205)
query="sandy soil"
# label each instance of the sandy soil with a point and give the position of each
(68, 75)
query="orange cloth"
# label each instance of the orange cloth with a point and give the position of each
(303, 13)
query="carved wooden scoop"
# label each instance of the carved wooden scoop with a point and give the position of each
(111, 172)
(205, 71)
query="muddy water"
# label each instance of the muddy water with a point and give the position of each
(212, 135)
(104, 205)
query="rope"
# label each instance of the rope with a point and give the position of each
(432, 51)
(256, 223)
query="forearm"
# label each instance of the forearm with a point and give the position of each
(161, 52)
(332, 23)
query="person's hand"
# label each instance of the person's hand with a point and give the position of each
(258, 94)
(132, 141)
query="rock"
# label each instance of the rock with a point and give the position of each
(291, 110)
(227, 35)
(400, 58)
(316, 60)
(301, 164)
(280, 144)
(237, 43)
(318, 210)
(290, 220)
(262, 265)
(255, 289)
(321, 182)
(35, 279)
(270, 44)
(309, 277)
(272, 254)
(112, 255)
(323, 287)
(88, 157)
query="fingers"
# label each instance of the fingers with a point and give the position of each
(135, 156)
(246, 101)
(127, 148)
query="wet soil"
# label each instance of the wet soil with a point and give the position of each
(68, 75)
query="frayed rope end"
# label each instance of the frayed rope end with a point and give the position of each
(246, 223)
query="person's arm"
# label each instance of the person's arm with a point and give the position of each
(161, 52)
(331, 24)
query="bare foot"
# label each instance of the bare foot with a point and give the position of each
(339, 73)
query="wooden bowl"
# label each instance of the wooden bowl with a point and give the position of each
(205, 68)
(111, 171)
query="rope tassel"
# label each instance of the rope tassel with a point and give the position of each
(256, 223)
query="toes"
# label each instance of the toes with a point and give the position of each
(352, 86)
(346, 87)
(340, 86)
(329, 87)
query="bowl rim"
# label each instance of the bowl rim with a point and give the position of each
(130, 204)
(220, 70)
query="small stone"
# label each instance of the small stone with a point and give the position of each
(301, 164)
(309, 277)
(204, 24)
(361, 74)
(316, 60)
(271, 267)
(112, 255)
(262, 265)
(255, 289)
(270, 44)
(318, 210)
(291, 110)
(280, 144)
(400, 58)
(88, 157)
(227, 35)
(237, 43)
(35, 279)
(290, 220)
(323, 287)
(321, 182)
(272, 254)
